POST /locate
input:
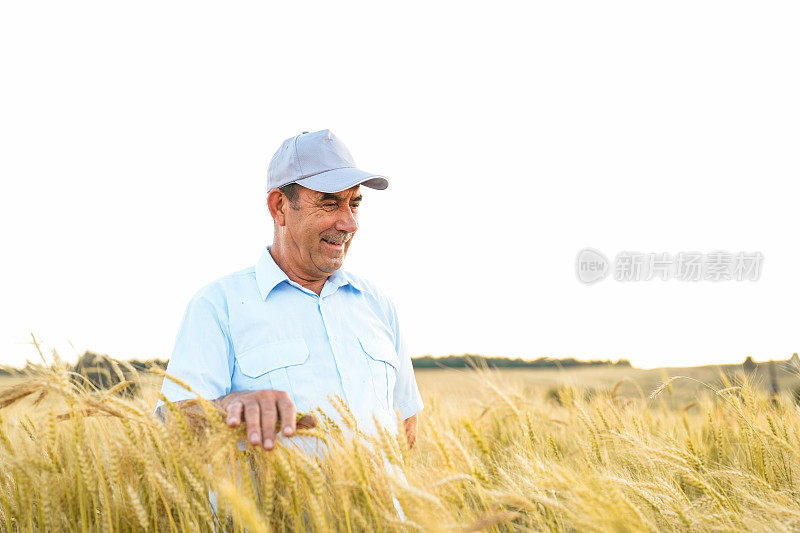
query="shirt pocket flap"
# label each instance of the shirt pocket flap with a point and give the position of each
(267, 357)
(380, 349)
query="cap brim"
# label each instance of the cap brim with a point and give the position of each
(340, 179)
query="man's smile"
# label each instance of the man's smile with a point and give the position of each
(334, 246)
(337, 242)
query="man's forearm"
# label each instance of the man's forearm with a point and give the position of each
(161, 410)
(410, 425)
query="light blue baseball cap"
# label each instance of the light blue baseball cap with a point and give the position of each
(319, 161)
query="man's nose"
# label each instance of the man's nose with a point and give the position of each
(347, 221)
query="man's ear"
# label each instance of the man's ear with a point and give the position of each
(277, 204)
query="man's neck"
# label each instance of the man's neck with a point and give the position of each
(281, 259)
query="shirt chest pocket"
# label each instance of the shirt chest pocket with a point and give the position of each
(384, 366)
(273, 365)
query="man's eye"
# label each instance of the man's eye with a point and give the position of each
(354, 206)
(328, 205)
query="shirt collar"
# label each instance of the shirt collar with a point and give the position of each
(269, 275)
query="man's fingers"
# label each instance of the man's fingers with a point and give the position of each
(269, 417)
(288, 414)
(235, 413)
(252, 417)
(261, 411)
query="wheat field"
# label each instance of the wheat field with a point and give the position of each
(586, 450)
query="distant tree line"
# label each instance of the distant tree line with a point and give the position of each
(462, 361)
(790, 365)
(101, 371)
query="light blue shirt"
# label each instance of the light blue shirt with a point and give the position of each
(256, 329)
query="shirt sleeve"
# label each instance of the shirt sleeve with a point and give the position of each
(407, 398)
(202, 356)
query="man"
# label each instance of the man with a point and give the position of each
(280, 337)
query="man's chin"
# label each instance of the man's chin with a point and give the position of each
(330, 265)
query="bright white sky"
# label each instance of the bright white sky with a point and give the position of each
(135, 138)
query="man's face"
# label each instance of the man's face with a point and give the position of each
(321, 230)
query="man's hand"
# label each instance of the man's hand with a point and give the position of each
(261, 410)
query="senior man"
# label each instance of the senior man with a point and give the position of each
(282, 336)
